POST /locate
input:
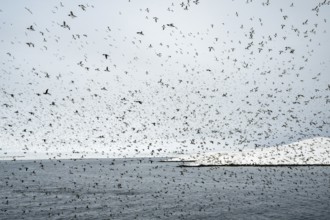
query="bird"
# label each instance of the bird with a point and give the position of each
(28, 10)
(30, 44)
(72, 15)
(46, 92)
(83, 7)
(31, 28)
(65, 25)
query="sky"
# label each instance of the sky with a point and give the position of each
(161, 78)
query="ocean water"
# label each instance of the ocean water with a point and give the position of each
(148, 189)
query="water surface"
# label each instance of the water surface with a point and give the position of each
(148, 189)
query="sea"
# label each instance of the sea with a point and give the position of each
(146, 188)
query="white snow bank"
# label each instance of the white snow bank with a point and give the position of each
(314, 151)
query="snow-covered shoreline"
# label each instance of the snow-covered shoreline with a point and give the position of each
(314, 151)
(309, 152)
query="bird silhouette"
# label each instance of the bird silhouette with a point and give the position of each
(46, 92)
(72, 15)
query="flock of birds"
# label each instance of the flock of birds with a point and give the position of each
(244, 91)
(71, 88)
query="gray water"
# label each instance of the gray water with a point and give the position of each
(148, 189)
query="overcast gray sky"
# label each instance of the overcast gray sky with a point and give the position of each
(178, 77)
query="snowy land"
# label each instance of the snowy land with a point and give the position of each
(314, 151)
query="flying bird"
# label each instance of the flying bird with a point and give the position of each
(72, 15)
(46, 92)
(30, 28)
